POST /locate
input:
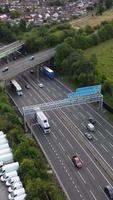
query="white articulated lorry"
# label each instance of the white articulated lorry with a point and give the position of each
(42, 121)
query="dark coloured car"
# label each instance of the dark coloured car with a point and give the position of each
(31, 71)
(92, 120)
(109, 191)
(32, 58)
(76, 161)
(27, 86)
(88, 136)
(5, 69)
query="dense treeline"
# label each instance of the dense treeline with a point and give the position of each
(38, 183)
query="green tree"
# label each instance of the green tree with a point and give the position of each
(14, 14)
(62, 51)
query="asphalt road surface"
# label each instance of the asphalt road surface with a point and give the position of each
(67, 139)
(25, 63)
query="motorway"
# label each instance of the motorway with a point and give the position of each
(25, 63)
(66, 139)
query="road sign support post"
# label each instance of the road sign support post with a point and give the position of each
(25, 126)
(101, 104)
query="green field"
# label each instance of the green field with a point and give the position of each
(92, 20)
(104, 54)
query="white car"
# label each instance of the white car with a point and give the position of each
(41, 85)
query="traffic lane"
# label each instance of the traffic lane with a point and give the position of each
(75, 177)
(59, 166)
(107, 126)
(72, 134)
(80, 176)
(100, 145)
(50, 90)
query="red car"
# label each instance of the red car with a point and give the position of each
(76, 161)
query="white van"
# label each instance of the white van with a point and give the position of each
(15, 186)
(4, 146)
(90, 127)
(3, 141)
(2, 136)
(12, 180)
(5, 151)
(22, 197)
(6, 158)
(10, 167)
(16, 193)
(1, 133)
(8, 175)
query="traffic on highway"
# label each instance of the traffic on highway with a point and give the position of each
(80, 154)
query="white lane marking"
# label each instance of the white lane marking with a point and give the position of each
(103, 192)
(47, 114)
(111, 144)
(48, 89)
(82, 115)
(61, 146)
(83, 125)
(69, 157)
(101, 134)
(99, 123)
(93, 195)
(104, 147)
(54, 135)
(61, 132)
(109, 132)
(75, 116)
(69, 144)
(68, 109)
(81, 177)
(88, 113)
(53, 123)
(90, 173)
(95, 137)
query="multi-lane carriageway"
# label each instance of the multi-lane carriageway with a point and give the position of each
(67, 125)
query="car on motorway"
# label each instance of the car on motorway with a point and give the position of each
(88, 136)
(5, 69)
(92, 120)
(40, 85)
(31, 71)
(32, 58)
(109, 191)
(27, 86)
(77, 161)
(90, 127)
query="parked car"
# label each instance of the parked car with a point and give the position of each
(109, 191)
(88, 136)
(41, 85)
(5, 69)
(76, 161)
(92, 120)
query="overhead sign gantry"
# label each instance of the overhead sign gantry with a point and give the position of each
(82, 95)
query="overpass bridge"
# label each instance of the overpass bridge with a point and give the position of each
(23, 64)
(11, 48)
